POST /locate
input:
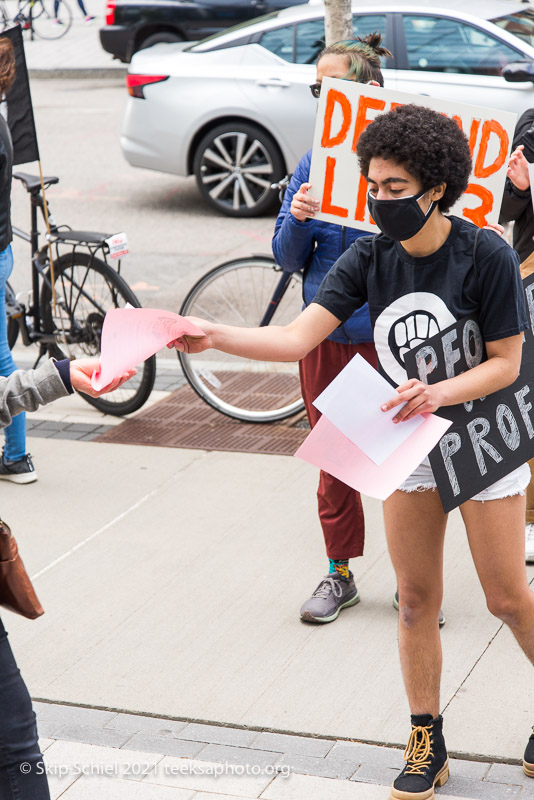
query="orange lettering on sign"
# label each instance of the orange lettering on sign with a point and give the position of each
(458, 121)
(473, 133)
(490, 126)
(478, 215)
(361, 200)
(326, 205)
(396, 105)
(332, 98)
(362, 121)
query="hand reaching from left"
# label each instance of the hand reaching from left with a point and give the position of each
(81, 372)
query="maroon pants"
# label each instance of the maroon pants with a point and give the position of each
(340, 506)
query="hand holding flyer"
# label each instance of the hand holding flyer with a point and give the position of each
(131, 335)
(358, 443)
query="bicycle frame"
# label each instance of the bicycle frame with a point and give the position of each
(41, 268)
(74, 264)
(25, 14)
(278, 293)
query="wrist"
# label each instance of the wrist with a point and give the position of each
(439, 394)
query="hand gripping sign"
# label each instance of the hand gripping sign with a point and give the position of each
(345, 110)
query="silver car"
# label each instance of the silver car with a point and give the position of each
(236, 110)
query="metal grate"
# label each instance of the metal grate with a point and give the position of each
(183, 420)
(259, 390)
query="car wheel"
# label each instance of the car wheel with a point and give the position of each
(235, 165)
(156, 38)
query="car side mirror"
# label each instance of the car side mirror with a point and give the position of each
(519, 71)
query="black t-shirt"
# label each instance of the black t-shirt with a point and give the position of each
(411, 299)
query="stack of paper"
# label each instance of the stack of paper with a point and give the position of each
(359, 443)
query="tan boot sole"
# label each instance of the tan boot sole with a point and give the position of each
(528, 769)
(441, 778)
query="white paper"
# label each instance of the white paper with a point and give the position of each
(352, 402)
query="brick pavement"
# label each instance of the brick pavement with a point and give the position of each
(178, 759)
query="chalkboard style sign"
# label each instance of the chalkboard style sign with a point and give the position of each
(489, 437)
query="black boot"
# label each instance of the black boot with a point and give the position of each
(427, 764)
(528, 758)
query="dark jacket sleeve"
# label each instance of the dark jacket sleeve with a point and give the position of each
(515, 200)
(516, 203)
(293, 241)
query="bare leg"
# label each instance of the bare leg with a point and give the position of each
(495, 530)
(415, 528)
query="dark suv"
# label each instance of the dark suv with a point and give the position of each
(132, 25)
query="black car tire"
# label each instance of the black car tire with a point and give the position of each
(238, 191)
(156, 38)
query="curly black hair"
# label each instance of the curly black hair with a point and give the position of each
(429, 145)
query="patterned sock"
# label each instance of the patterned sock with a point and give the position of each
(341, 567)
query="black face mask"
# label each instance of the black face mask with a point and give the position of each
(399, 219)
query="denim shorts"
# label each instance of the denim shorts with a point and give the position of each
(422, 479)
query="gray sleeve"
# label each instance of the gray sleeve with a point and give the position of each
(26, 390)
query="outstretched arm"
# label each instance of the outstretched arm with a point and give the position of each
(271, 343)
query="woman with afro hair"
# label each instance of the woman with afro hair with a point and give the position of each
(418, 278)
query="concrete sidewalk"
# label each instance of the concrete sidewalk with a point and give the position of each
(172, 581)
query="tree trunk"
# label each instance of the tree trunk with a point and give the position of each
(337, 20)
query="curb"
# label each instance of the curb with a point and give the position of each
(83, 72)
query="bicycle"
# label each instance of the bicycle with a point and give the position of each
(250, 292)
(69, 298)
(49, 19)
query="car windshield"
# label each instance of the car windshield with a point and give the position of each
(520, 24)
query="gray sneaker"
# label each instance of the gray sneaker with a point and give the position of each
(441, 621)
(21, 471)
(332, 594)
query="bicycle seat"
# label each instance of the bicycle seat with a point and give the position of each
(32, 183)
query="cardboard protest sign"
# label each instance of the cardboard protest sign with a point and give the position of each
(489, 437)
(346, 108)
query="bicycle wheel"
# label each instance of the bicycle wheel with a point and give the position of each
(238, 293)
(86, 288)
(51, 19)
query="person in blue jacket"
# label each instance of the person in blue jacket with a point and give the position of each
(301, 242)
